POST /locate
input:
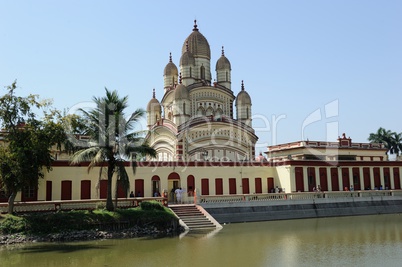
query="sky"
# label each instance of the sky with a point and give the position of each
(314, 69)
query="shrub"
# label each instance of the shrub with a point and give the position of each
(151, 205)
(12, 224)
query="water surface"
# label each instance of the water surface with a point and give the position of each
(374, 240)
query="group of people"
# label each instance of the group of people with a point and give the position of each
(318, 189)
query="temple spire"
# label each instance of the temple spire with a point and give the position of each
(242, 85)
(223, 51)
(170, 57)
(180, 78)
(153, 93)
(195, 25)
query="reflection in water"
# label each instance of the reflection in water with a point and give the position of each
(345, 241)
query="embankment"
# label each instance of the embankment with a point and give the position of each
(236, 212)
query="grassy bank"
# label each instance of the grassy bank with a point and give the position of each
(148, 214)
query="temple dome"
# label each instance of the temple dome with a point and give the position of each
(181, 92)
(197, 44)
(170, 69)
(153, 104)
(223, 63)
(243, 98)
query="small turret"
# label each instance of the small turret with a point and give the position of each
(243, 106)
(154, 111)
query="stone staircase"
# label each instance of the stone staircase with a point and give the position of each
(194, 217)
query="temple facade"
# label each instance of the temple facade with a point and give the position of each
(195, 120)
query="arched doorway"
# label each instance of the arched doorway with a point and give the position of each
(156, 185)
(173, 184)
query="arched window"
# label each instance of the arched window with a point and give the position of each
(227, 76)
(184, 109)
(191, 71)
(209, 112)
(200, 111)
(202, 70)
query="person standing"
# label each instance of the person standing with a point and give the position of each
(178, 192)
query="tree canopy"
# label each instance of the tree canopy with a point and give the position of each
(391, 140)
(25, 150)
(113, 140)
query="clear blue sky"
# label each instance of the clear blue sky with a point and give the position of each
(317, 68)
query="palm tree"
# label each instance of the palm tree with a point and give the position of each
(396, 147)
(113, 140)
(382, 136)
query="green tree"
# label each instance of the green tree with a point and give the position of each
(382, 136)
(25, 151)
(391, 140)
(113, 140)
(396, 141)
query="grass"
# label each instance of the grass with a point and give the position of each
(54, 222)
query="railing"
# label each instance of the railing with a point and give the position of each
(298, 196)
(90, 204)
(64, 205)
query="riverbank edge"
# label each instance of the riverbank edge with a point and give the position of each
(238, 212)
(88, 235)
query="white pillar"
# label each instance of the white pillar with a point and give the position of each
(305, 178)
(361, 174)
(340, 183)
(391, 177)
(372, 185)
(317, 177)
(351, 180)
(329, 179)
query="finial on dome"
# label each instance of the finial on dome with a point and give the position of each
(223, 51)
(170, 57)
(180, 78)
(153, 93)
(195, 25)
(242, 85)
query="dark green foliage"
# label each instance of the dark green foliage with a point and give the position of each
(56, 222)
(391, 140)
(12, 224)
(112, 140)
(151, 205)
(25, 151)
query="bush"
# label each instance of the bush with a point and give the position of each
(12, 224)
(151, 205)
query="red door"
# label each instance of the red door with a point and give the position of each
(48, 190)
(245, 185)
(139, 187)
(219, 186)
(232, 186)
(85, 189)
(366, 178)
(334, 179)
(258, 185)
(121, 192)
(311, 178)
(356, 178)
(345, 178)
(103, 189)
(299, 179)
(323, 179)
(205, 186)
(66, 190)
(270, 183)
(397, 181)
(190, 185)
(377, 179)
(387, 181)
